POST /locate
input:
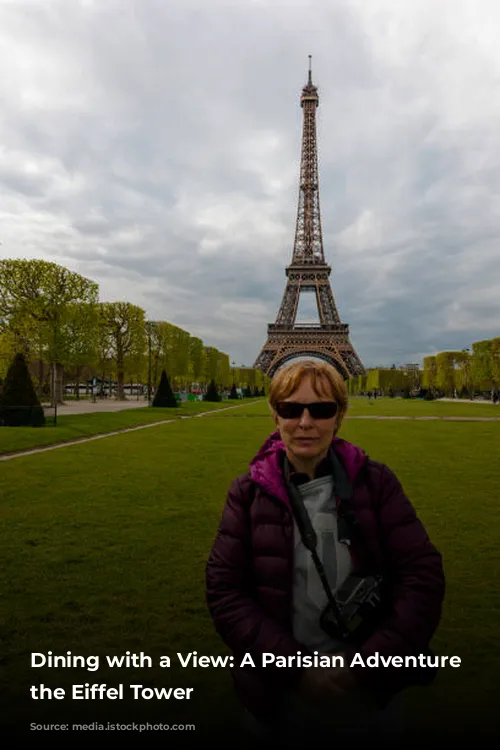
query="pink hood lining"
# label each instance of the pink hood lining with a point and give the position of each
(265, 467)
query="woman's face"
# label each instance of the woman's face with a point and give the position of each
(306, 439)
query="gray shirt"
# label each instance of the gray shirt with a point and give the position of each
(309, 597)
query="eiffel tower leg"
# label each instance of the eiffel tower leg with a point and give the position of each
(326, 304)
(289, 304)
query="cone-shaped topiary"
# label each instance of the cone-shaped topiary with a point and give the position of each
(164, 396)
(212, 393)
(19, 404)
(256, 392)
(234, 392)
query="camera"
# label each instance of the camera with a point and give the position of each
(359, 606)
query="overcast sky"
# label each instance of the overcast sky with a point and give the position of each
(153, 146)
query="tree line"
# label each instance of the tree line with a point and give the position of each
(465, 372)
(53, 316)
(462, 373)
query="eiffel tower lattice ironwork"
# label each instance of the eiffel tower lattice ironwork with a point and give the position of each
(327, 339)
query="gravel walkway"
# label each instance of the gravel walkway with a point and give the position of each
(86, 406)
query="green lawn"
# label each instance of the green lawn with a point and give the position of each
(74, 427)
(77, 426)
(104, 544)
(419, 408)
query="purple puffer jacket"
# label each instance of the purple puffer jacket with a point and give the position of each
(249, 574)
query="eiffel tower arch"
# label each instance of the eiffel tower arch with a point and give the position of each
(282, 357)
(308, 272)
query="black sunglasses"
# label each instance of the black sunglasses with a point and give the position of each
(317, 410)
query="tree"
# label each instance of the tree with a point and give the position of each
(495, 362)
(445, 365)
(36, 295)
(211, 363)
(180, 352)
(233, 393)
(81, 328)
(429, 379)
(123, 327)
(224, 370)
(212, 393)
(463, 379)
(482, 375)
(19, 404)
(164, 396)
(8, 343)
(196, 358)
(170, 350)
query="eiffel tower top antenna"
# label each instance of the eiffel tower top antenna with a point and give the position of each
(310, 71)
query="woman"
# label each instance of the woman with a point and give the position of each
(264, 589)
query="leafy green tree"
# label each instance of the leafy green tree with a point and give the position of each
(224, 370)
(373, 379)
(445, 365)
(495, 362)
(196, 364)
(19, 404)
(180, 341)
(8, 344)
(123, 328)
(482, 375)
(81, 330)
(463, 374)
(37, 295)
(211, 363)
(172, 344)
(429, 378)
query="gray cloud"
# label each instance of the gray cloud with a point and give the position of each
(154, 147)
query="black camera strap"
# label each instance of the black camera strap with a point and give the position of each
(308, 534)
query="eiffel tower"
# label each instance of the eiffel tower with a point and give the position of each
(308, 272)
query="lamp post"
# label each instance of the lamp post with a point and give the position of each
(467, 372)
(149, 365)
(233, 363)
(150, 326)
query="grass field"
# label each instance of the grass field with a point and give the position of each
(103, 549)
(419, 408)
(77, 426)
